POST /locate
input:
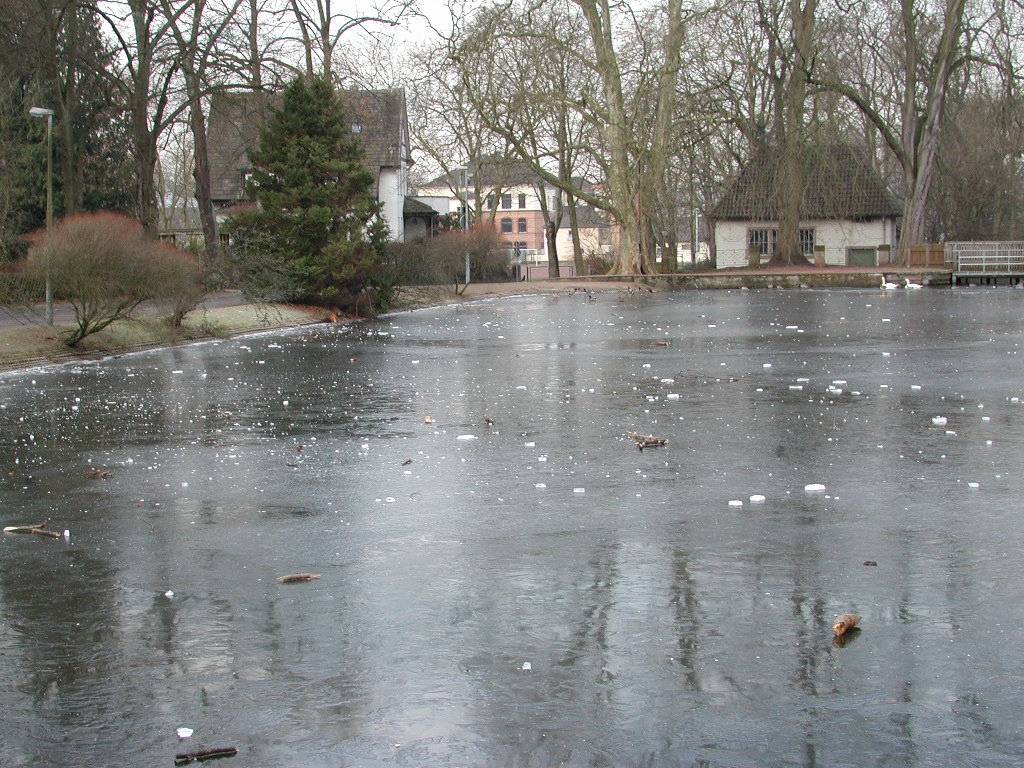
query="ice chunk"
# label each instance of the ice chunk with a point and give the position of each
(939, 421)
(757, 498)
(466, 437)
(811, 487)
(184, 733)
(735, 503)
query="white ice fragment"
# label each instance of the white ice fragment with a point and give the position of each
(915, 386)
(672, 396)
(839, 382)
(792, 327)
(757, 498)
(284, 403)
(389, 499)
(951, 432)
(796, 387)
(527, 666)
(939, 421)
(67, 535)
(184, 733)
(540, 485)
(169, 594)
(415, 362)
(466, 437)
(522, 387)
(972, 485)
(735, 503)
(767, 365)
(579, 490)
(811, 487)
(530, 444)
(803, 380)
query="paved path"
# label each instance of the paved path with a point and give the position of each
(15, 316)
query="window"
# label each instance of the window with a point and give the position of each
(522, 200)
(357, 128)
(490, 202)
(807, 242)
(506, 200)
(522, 225)
(758, 238)
(767, 240)
(246, 175)
(506, 225)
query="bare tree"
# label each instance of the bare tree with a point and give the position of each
(147, 84)
(321, 25)
(195, 32)
(912, 56)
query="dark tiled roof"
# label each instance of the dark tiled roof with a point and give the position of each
(839, 183)
(587, 217)
(379, 117)
(414, 207)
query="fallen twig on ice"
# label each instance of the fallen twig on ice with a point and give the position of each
(38, 528)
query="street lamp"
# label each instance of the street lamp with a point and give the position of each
(465, 215)
(41, 112)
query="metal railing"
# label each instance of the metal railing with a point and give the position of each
(21, 289)
(986, 257)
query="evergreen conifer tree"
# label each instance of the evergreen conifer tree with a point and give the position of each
(316, 233)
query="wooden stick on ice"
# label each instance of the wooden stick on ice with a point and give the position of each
(294, 578)
(38, 528)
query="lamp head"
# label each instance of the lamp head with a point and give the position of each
(40, 112)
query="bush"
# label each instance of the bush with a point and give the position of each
(180, 279)
(102, 264)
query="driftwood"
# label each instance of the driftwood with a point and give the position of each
(844, 623)
(184, 758)
(38, 528)
(295, 578)
(646, 441)
(98, 473)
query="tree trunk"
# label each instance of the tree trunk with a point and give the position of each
(551, 238)
(635, 164)
(574, 233)
(791, 164)
(202, 175)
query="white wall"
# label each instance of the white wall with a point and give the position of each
(590, 241)
(391, 189)
(836, 236)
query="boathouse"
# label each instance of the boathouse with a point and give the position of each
(848, 216)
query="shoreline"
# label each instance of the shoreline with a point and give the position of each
(32, 345)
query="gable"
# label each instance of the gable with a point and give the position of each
(377, 117)
(839, 183)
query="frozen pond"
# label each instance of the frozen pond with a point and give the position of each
(533, 591)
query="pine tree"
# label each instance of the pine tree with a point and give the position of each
(316, 233)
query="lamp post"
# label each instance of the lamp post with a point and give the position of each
(48, 114)
(466, 217)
